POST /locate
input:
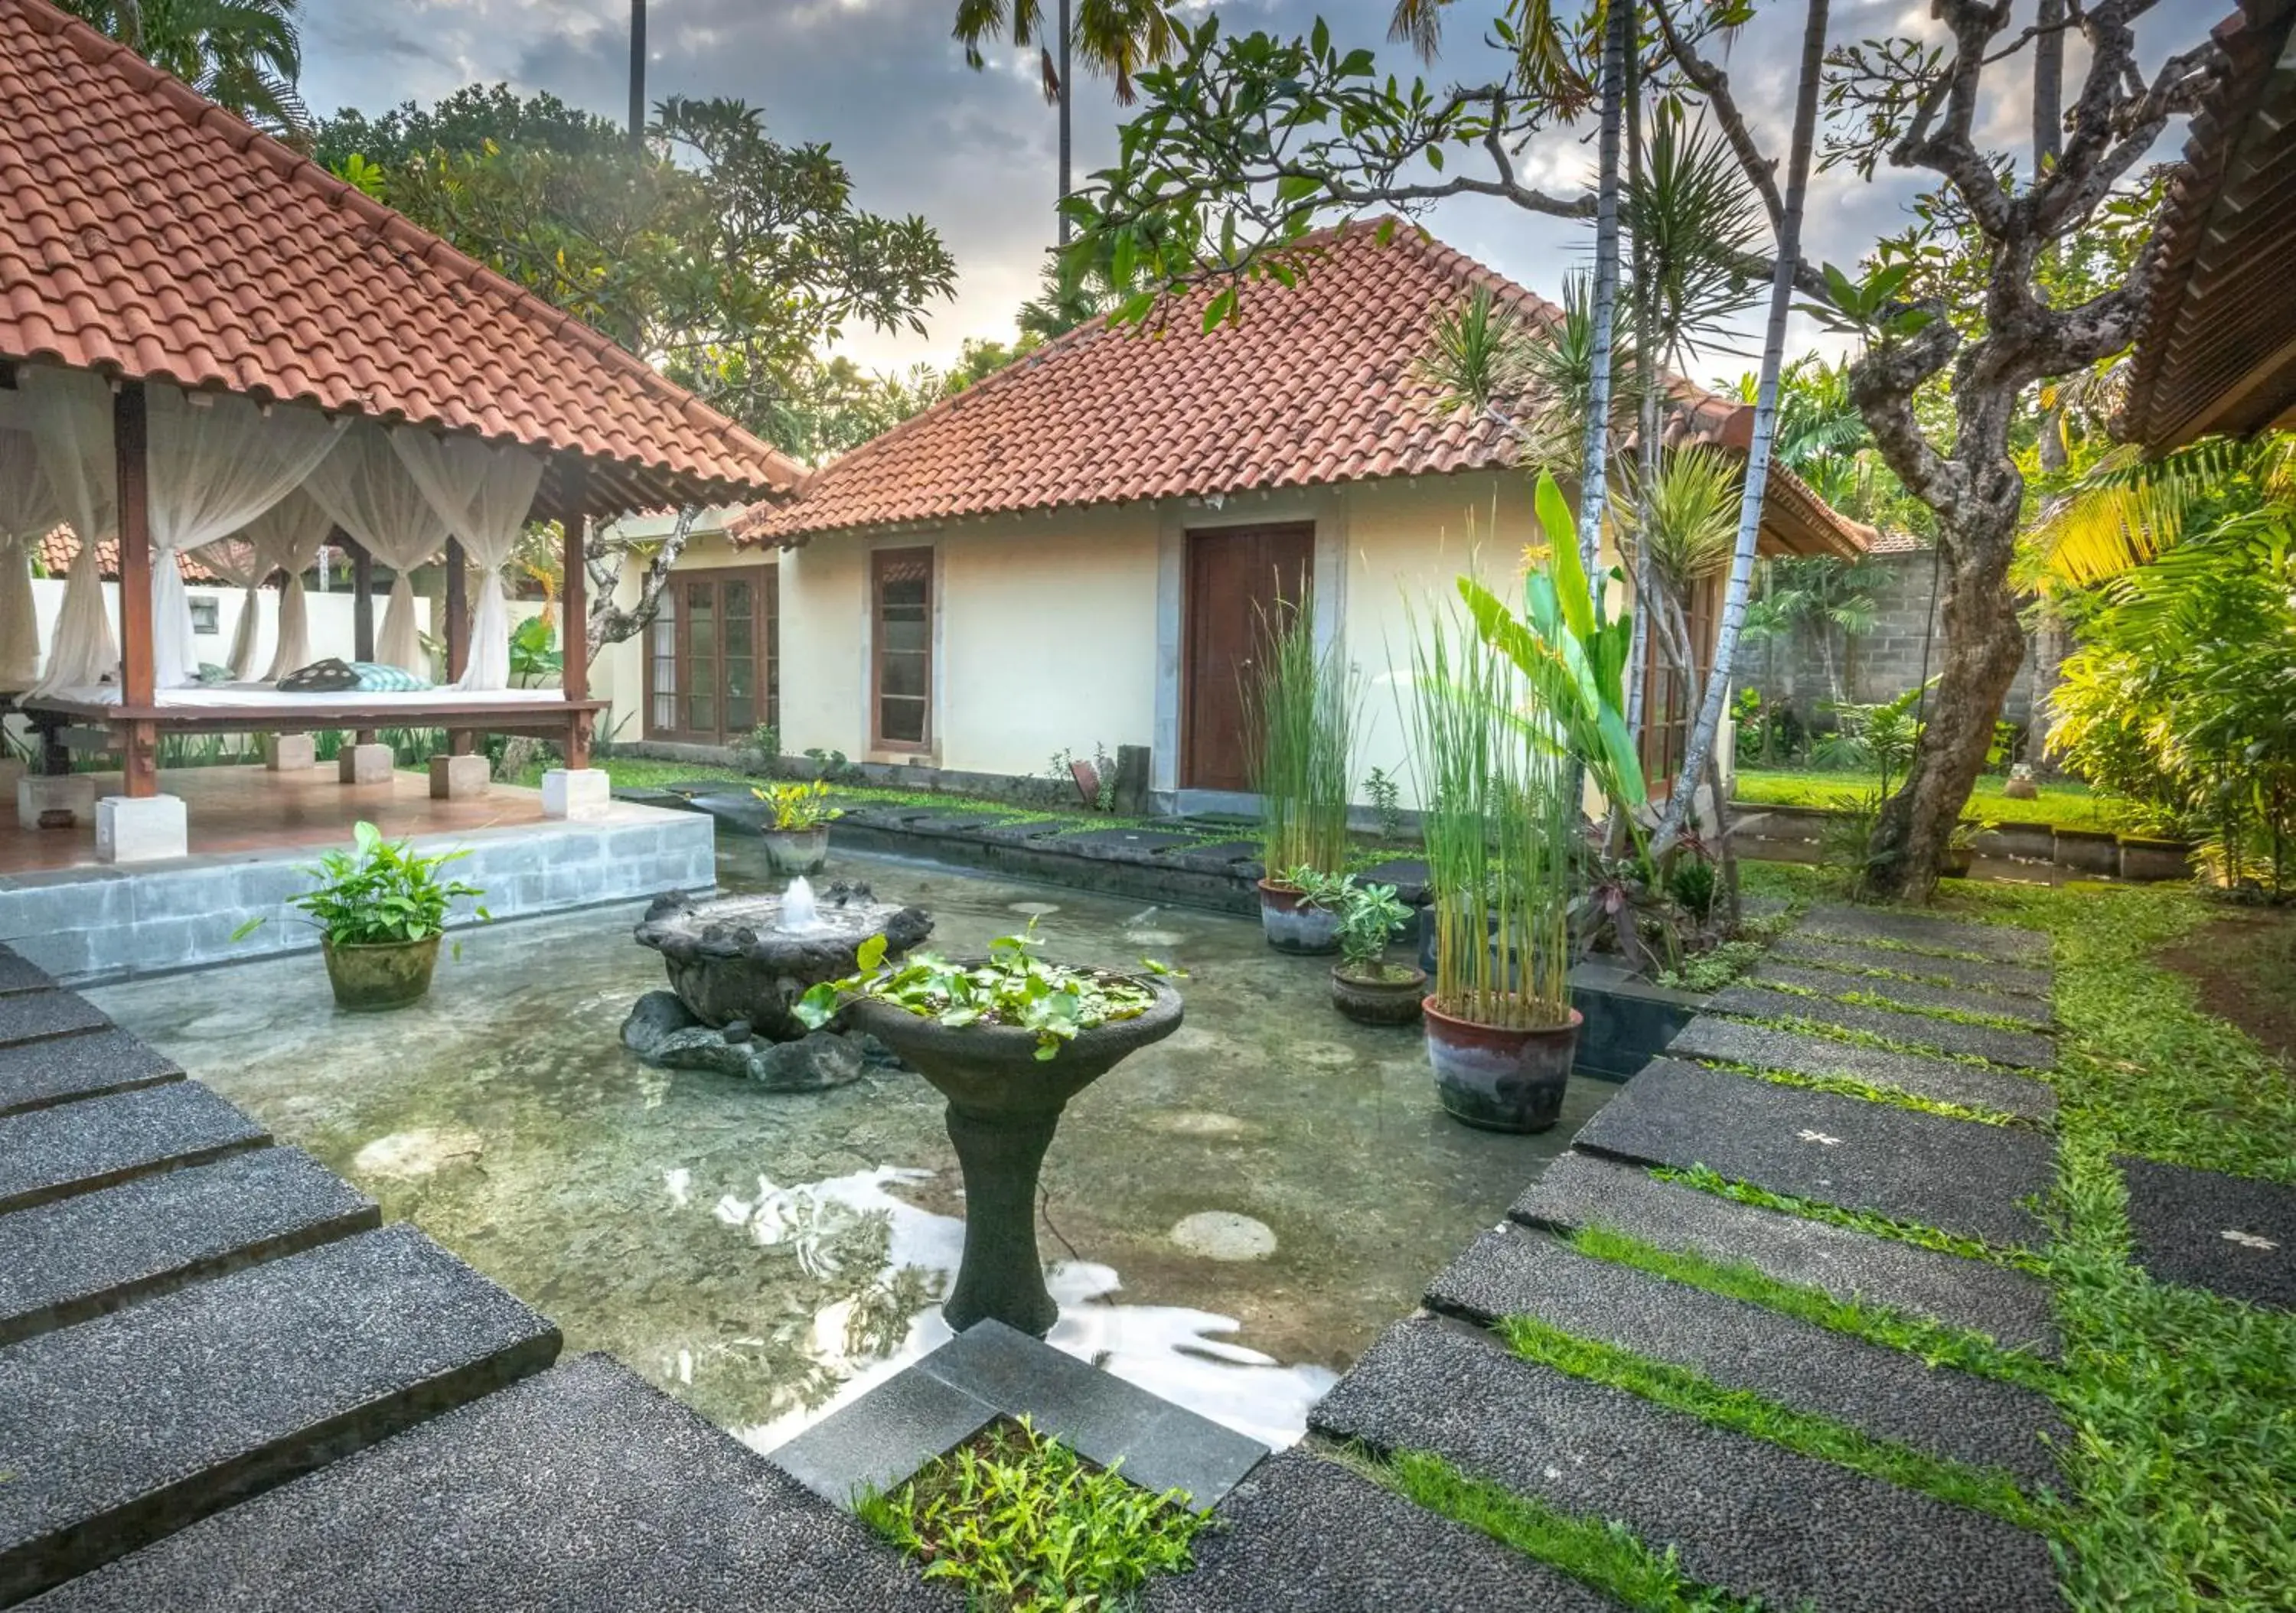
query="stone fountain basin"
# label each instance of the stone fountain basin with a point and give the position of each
(993, 1069)
(728, 960)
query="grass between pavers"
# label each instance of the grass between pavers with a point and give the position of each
(1709, 1180)
(1858, 996)
(1850, 1086)
(1742, 1411)
(1803, 1026)
(2068, 806)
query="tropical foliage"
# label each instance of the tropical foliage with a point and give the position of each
(245, 55)
(379, 892)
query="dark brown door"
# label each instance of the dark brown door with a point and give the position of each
(712, 656)
(1240, 580)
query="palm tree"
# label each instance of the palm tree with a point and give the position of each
(1116, 39)
(245, 55)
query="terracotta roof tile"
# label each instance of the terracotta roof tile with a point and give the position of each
(1319, 383)
(146, 232)
(56, 552)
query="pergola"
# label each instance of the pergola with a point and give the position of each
(251, 331)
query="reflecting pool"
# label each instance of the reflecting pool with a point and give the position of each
(1233, 1213)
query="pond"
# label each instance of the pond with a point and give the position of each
(1231, 1216)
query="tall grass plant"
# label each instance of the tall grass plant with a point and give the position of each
(1300, 706)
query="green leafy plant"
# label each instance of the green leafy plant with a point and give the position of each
(1385, 793)
(760, 749)
(1300, 711)
(1712, 969)
(1370, 917)
(800, 807)
(1011, 989)
(378, 893)
(534, 652)
(1020, 1521)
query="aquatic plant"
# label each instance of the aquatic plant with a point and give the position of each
(1300, 711)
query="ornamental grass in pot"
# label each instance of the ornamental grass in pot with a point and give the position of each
(1300, 708)
(1007, 1040)
(380, 908)
(797, 834)
(1499, 814)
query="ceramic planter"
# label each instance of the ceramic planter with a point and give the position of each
(1954, 861)
(390, 974)
(1389, 999)
(1500, 1079)
(1293, 924)
(1004, 1105)
(796, 851)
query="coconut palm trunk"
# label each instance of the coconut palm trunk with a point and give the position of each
(1708, 726)
(1067, 131)
(1593, 478)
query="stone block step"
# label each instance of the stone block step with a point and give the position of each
(126, 1428)
(1941, 1080)
(1961, 1176)
(1580, 1189)
(1306, 1535)
(580, 1490)
(65, 1262)
(1914, 996)
(35, 1074)
(1922, 932)
(2007, 979)
(2231, 1235)
(76, 1148)
(1748, 1516)
(2019, 1049)
(18, 974)
(1885, 1393)
(37, 1016)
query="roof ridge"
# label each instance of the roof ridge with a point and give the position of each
(100, 50)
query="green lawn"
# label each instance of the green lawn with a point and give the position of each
(2068, 806)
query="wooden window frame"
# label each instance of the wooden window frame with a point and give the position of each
(882, 561)
(765, 638)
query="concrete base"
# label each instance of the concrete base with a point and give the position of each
(148, 829)
(365, 763)
(458, 778)
(72, 792)
(288, 752)
(585, 792)
(12, 773)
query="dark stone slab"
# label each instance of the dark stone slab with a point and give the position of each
(1162, 1446)
(579, 1491)
(1747, 1515)
(1923, 933)
(41, 1073)
(1959, 1175)
(1914, 996)
(37, 1016)
(1220, 856)
(1945, 1080)
(1408, 875)
(879, 1441)
(2005, 980)
(128, 1427)
(1579, 1189)
(958, 822)
(1887, 1392)
(76, 1148)
(18, 975)
(2017, 1048)
(2231, 1235)
(1306, 1535)
(65, 1262)
(1022, 830)
(1119, 845)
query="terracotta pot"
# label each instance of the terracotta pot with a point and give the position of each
(1392, 999)
(1004, 1105)
(388, 974)
(1293, 924)
(1954, 861)
(1500, 1079)
(795, 851)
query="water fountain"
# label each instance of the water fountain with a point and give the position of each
(737, 966)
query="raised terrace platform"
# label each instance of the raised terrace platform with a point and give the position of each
(251, 831)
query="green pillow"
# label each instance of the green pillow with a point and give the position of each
(379, 677)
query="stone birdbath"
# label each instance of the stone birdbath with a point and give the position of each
(1007, 1087)
(738, 966)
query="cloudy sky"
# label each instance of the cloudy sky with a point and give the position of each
(883, 83)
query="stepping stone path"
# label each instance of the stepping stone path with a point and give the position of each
(1797, 1053)
(1987, 979)
(2233, 1235)
(1915, 996)
(2018, 1048)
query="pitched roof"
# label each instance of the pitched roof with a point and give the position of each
(57, 550)
(146, 232)
(1319, 383)
(2216, 347)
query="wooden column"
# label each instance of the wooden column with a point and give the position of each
(574, 609)
(130, 442)
(460, 741)
(361, 608)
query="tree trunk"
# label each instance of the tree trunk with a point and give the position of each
(609, 623)
(1709, 723)
(1602, 312)
(1067, 105)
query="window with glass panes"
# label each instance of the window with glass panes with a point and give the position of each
(713, 656)
(902, 643)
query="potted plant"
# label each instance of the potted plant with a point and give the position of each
(1299, 702)
(1365, 985)
(797, 835)
(1960, 850)
(379, 909)
(1500, 812)
(1008, 1040)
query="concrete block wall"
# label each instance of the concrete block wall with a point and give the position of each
(92, 925)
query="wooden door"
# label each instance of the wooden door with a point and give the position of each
(712, 656)
(1240, 580)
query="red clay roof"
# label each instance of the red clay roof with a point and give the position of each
(146, 232)
(1320, 383)
(56, 552)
